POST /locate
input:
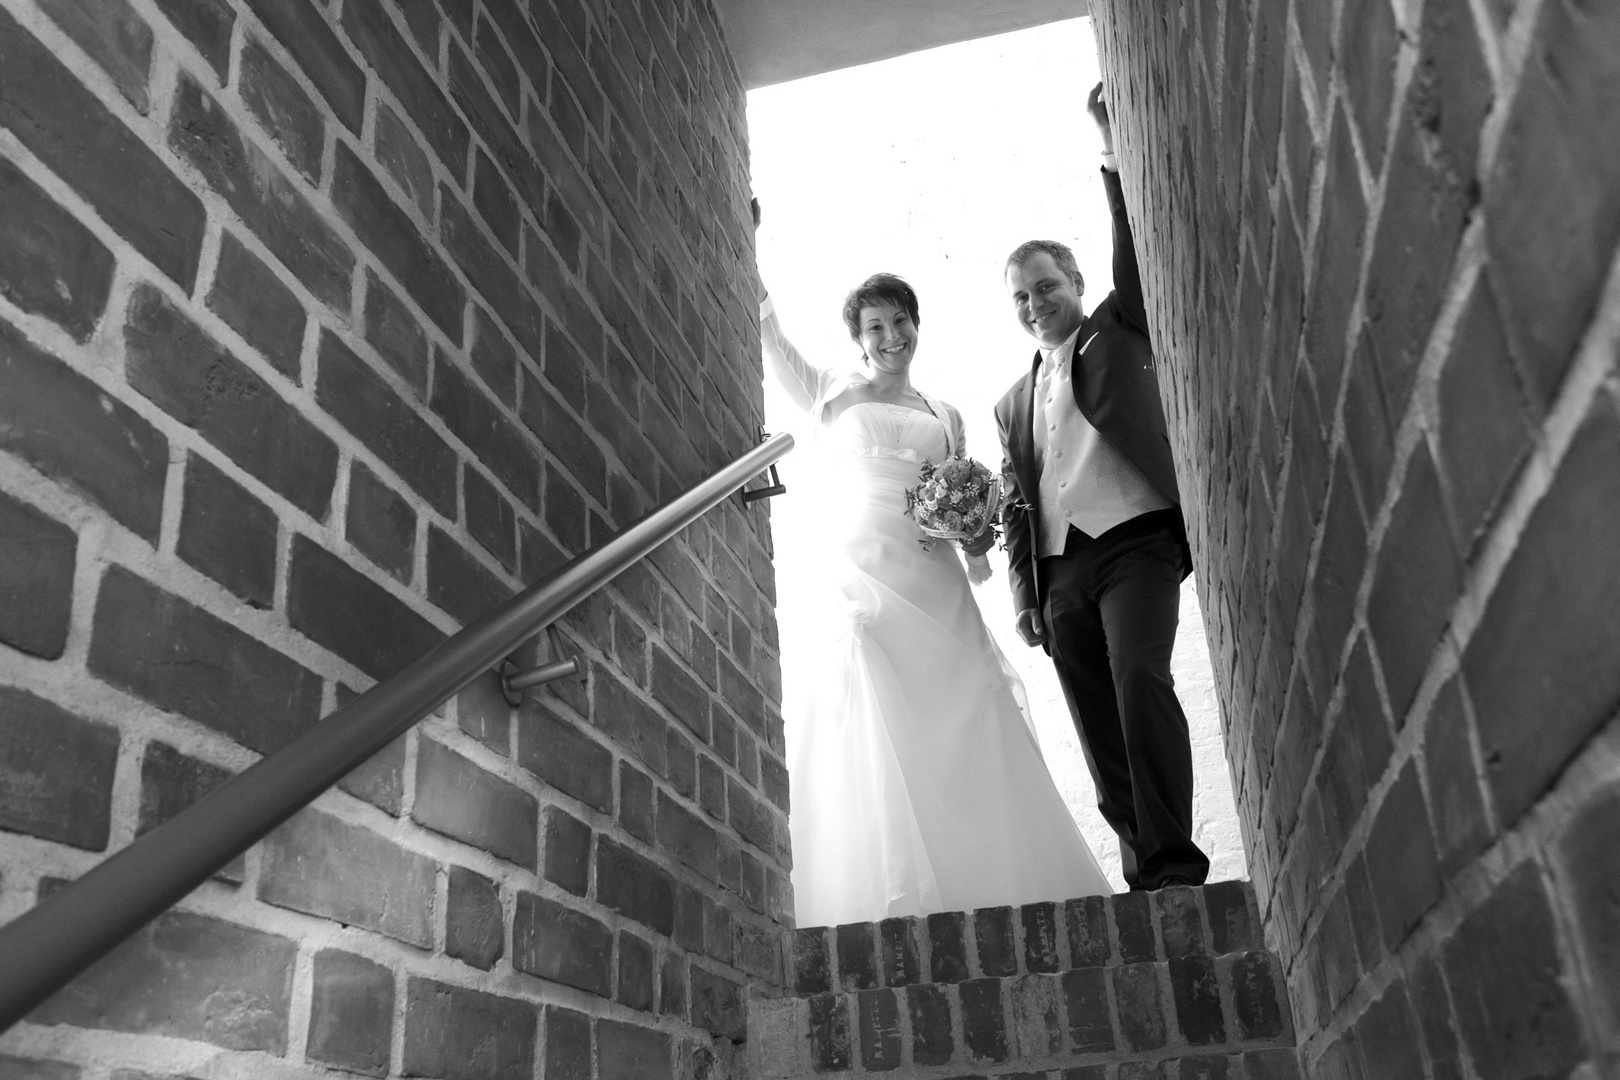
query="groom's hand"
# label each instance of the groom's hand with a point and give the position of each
(1031, 628)
(1098, 108)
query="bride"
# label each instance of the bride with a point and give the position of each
(917, 781)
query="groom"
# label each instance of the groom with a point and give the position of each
(1095, 539)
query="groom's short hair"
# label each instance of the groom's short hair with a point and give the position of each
(879, 289)
(1060, 254)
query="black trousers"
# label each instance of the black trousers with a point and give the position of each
(1111, 605)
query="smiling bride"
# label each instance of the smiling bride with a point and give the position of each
(917, 780)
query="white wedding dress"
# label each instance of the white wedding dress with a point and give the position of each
(917, 780)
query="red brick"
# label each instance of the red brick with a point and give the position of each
(401, 158)
(672, 993)
(482, 712)
(55, 117)
(495, 203)
(228, 534)
(1416, 583)
(812, 961)
(283, 109)
(380, 780)
(493, 357)
(565, 438)
(115, 37)
(37, 559)
(379, 41)
(59, 770)
(459, 583)
(1370, 43)
(1141, 1005)
(1338, 257)
(562, 945)
(459, 1034)
(568, 1045)
(984, 1024)
(326, 867)
(467, 88)
(1257, 996)
(298, 25)
(636, 812)
(718, 929)
(1514, 667)
(1386, 1036)
(1197, 997)
(337, 607)
(475, 928)
(380, 523)
(568, 851)
(490, 273)
(1085, 998)
(177, 366)
(181, 658)
(498, 441)
(1181, 923)
(171, 782)
(627, 1050)
(65, 426)
(394, 239)
(932, 1042)
(351, 1013)
(1550, 257)
(636, 983)
(396, 335)
(560, 755)
(462, 801)
(208, 24)
(186, 976)
(1432, 1006)
(1461, 827)
(252, 300)
(829, 1033)
(49, 263)
(1502, 966)
(680, 757)
(268, 203)
(686, 837)
(879, 1018)
(16, 1068)
(1588, 857)
(1484, 422)
(899, 948)
(1086, 921)
(634, 886)
(386, 423)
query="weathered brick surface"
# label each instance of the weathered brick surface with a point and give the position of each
(37, 557)
(59, 770)
(520, 232)
(233, 682)
(49, 262)
(351, 1013)
(187, 976)
(1399, 592)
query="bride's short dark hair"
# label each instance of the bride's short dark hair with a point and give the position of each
(879, 288)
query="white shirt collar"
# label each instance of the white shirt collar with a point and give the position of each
(1051, 358)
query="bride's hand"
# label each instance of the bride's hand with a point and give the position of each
(980, 544)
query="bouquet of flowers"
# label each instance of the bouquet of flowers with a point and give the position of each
(956, 500)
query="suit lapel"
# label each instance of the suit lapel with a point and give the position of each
(1024, 433)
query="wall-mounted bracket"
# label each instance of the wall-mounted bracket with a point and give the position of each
(515, 681)
(776, 487)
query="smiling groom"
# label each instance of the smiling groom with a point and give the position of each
(1097, 548)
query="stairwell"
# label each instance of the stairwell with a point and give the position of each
(1172, 985)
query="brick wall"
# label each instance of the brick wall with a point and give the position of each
(1382, 250)
(323, 325)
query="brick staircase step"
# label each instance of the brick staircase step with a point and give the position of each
(1172, 985)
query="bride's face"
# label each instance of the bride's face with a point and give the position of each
(888, 337)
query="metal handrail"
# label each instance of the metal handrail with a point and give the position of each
(45, 947)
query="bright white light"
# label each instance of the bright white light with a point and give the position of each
(934, 166)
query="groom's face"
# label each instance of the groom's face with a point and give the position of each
(1045, 300)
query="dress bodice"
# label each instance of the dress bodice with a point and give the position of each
(877, 429)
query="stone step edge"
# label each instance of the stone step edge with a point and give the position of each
(1264, 1063)
(1043, 938)
(1185, 1005)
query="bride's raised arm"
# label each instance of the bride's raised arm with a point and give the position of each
(804, 382)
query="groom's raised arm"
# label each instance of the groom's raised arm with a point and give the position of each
(1127, 295)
